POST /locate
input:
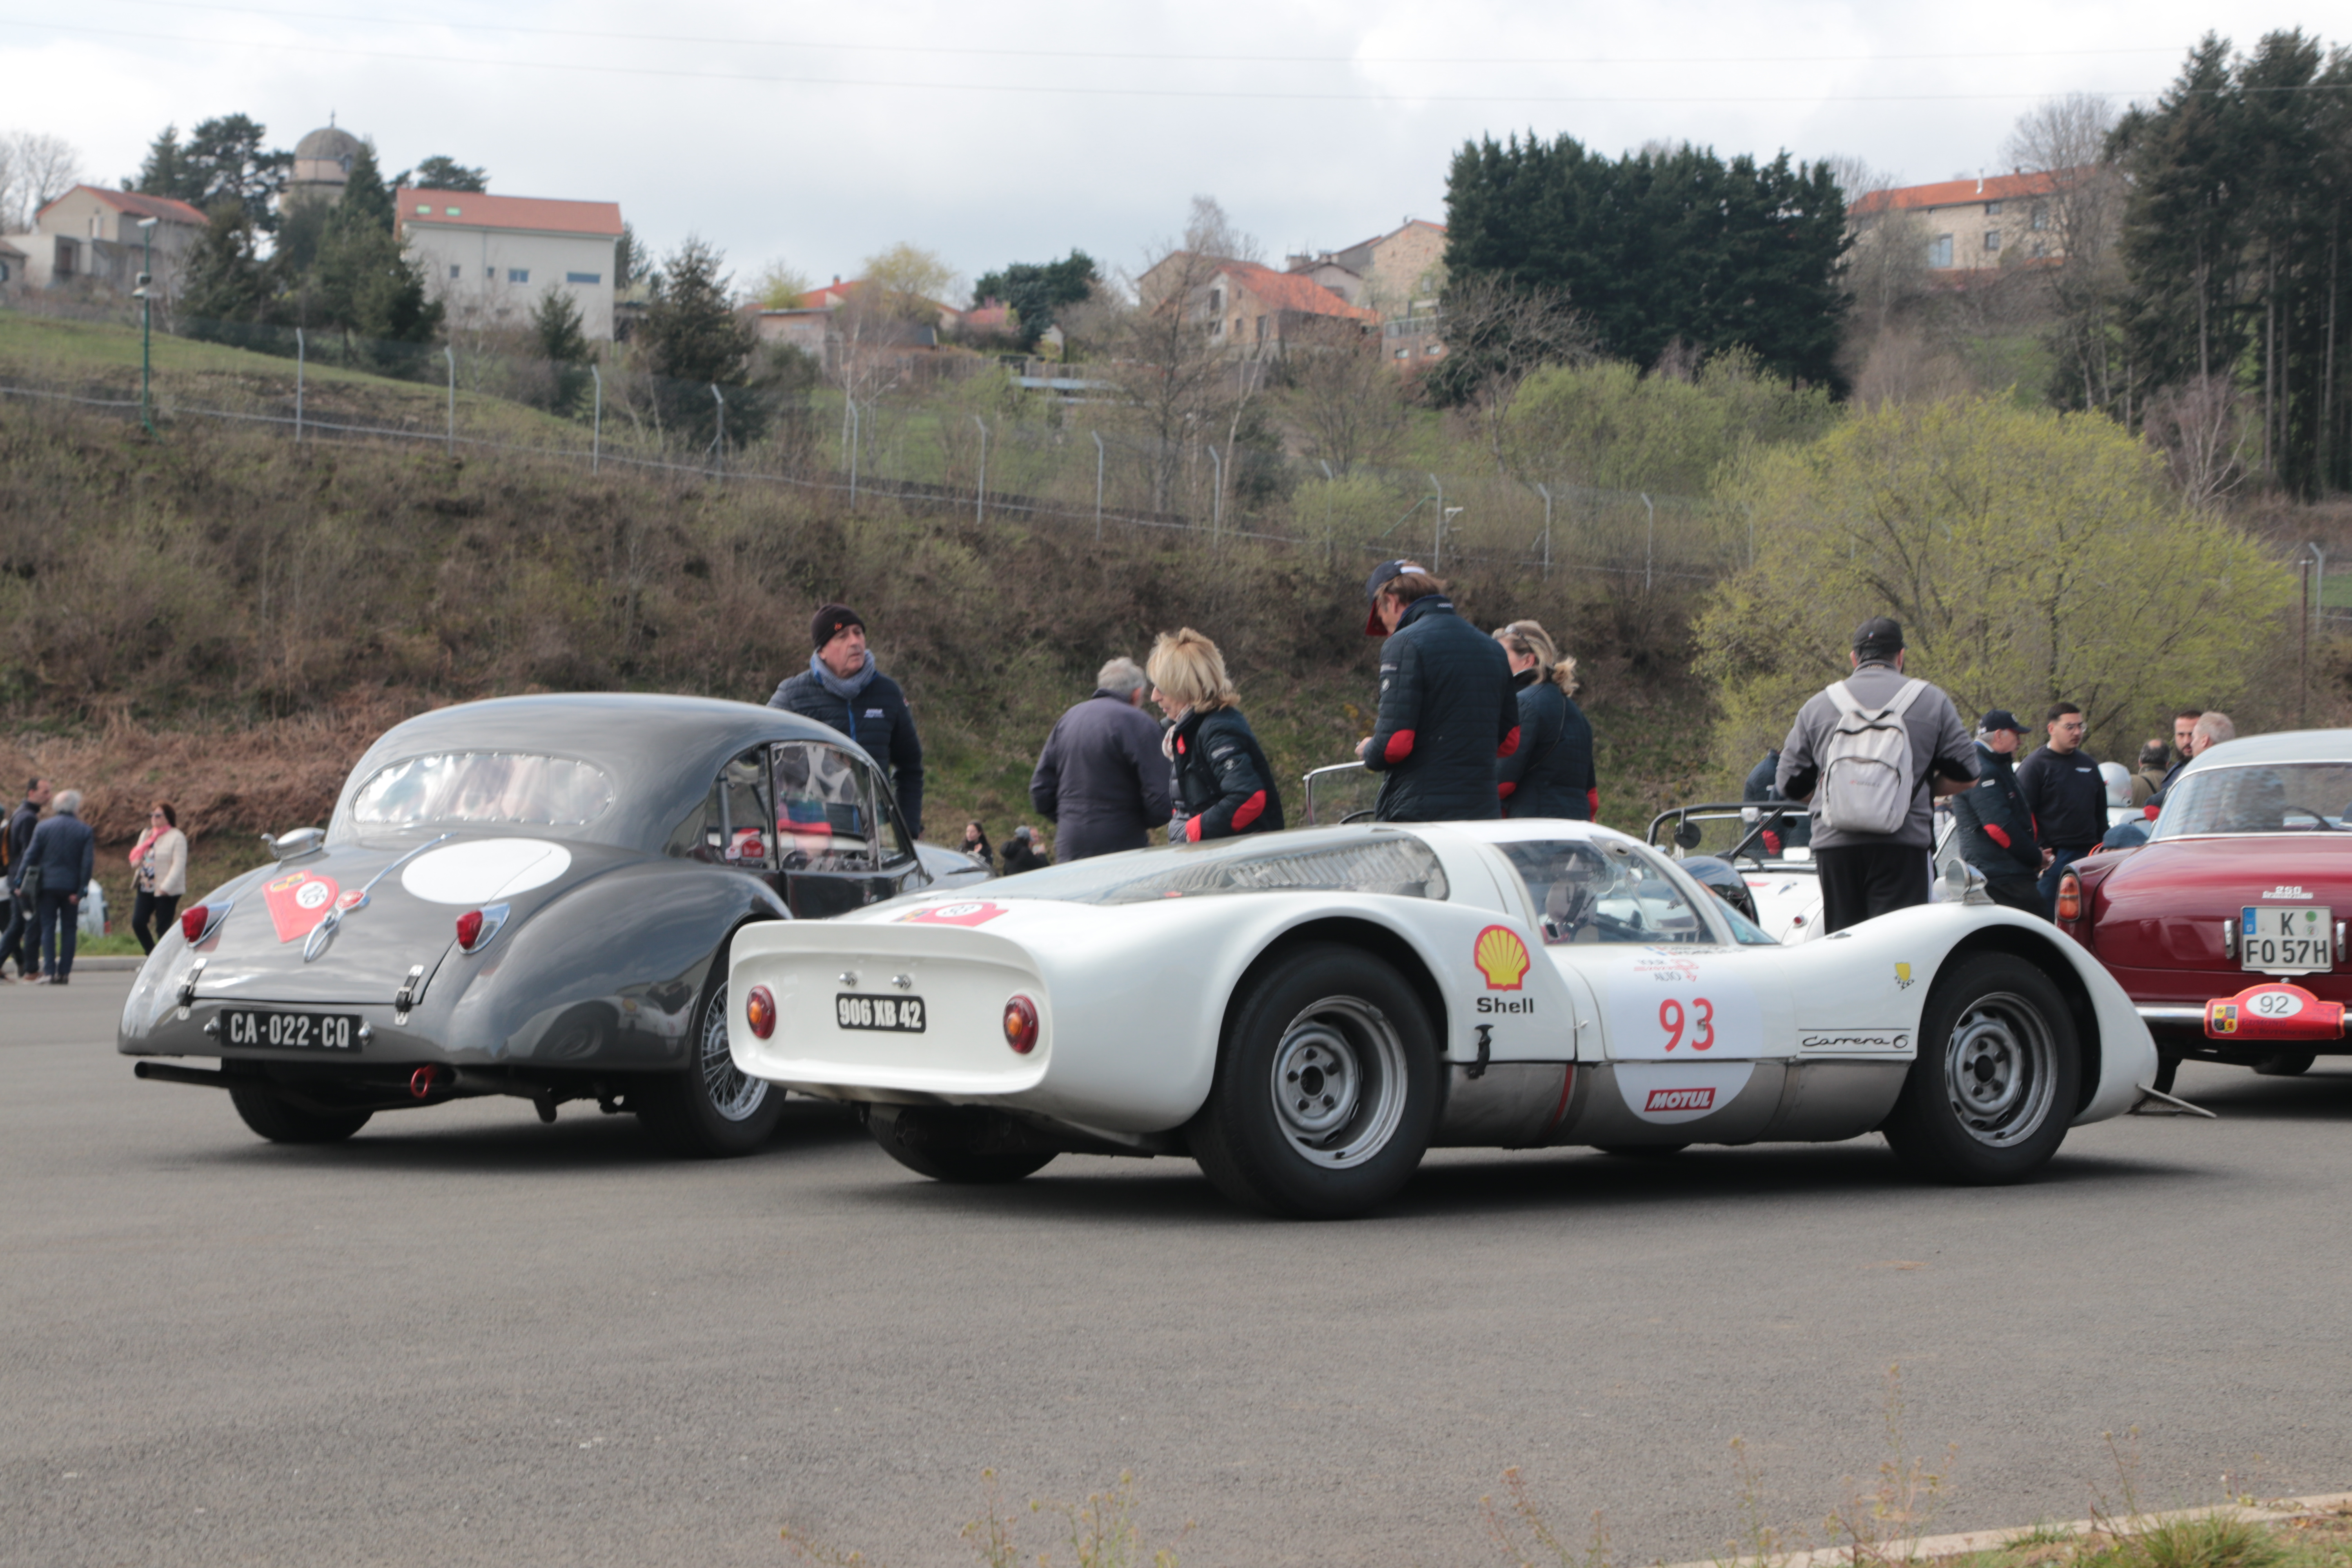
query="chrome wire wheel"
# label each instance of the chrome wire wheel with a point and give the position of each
(733, 1095)
(1338, 1082)
(2001, 1069)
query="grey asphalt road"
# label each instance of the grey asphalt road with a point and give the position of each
(468, 1338)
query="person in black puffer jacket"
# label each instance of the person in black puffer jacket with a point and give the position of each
(1448, 709)
(1550, 774)
(840, 688)
(1996, 829)
(1222, 783)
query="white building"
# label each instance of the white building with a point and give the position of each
(488, 259)
(92, 233)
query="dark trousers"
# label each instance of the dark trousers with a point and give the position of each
(1860, 882)
(18, 942)
(2058, 860)
(151, 917)
(2016, 891)
(59, 922)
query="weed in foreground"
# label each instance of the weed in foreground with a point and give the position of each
(1886, 1526)
(1099, 1533)
(1507, 1521)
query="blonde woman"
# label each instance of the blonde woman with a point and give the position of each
(1551, 773)
(1223, 783)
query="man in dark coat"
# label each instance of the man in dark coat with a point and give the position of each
(66, 853)
(1795, 830)
(19, 940)
(1022, 854)
(1101, 780)
(1996, 830)
(842, 687)
(1448, 709)
(2063, 788)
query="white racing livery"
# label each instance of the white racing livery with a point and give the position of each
(1307, 1013)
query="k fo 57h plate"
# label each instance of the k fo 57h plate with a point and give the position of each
(2286, 939)
(335, 1032)
(898, 1014)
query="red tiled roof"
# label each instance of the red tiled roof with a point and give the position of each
(1954, 192)
(475, 209)
(163, 208)
(1293, 292)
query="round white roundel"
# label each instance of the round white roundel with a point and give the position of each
(484, 870)
(311, 895)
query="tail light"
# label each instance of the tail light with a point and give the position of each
(1021, 1024)
(2069, 897)
(476, 928)
(200, 920)
(760, 1011)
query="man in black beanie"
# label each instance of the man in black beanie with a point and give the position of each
(842, 687)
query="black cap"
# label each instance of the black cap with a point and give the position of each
(829, 619)
(1878, 637)
(2000, 718)
(1382, 575)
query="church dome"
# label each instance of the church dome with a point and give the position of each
(327, 144)
(322, 165)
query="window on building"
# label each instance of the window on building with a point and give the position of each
(1939, 251)
(424, 209)
(1216, 301)
(1993, 239)
(583, 278)
(1402, 352)
(2036, 248)
(517, 274)
(1433, 349)
(451, 211)
(454, 269)
(4, 272)
(68, 256)
(1993, 209)
(2041, 215)
(1261, 329)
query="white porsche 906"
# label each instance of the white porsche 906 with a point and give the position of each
(1305, 1012)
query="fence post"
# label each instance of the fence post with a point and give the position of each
(1547, 538)
(1217, 497)
(301, 355)
(451, 356)
(1437, 534)
(1650, 549)
(980, 496)
(596, 431)
(1098, 488)
(856, 439)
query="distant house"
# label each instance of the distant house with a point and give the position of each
(1971, 225)
(90, 236)
(1251, 310)
(488, 259)
(1394, 272)
(827, 322)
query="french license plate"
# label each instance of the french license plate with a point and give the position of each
(337, 1032)
(2277, 938)
(901, 1014)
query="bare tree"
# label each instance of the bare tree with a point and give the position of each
(2065, 139)
(35, 169)
(1497, 335)
(2206, 437)
(1342, 393)
(1210, 232)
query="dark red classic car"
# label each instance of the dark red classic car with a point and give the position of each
(2227, 928)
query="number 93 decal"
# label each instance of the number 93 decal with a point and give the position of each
(1699, 1018)
(1704, 1018)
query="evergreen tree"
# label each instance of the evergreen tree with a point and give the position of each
(166, 171)
(223, 284)
(363, 285)
(1037, 290)
(440, 174)
(692, 339)
(555, 329)
(223, 161)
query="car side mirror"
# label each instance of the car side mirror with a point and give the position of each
(295, 845)
(1964, 883)
(1687, 834)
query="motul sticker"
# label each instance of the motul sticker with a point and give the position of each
(978, 914)
(1669, 1092)
(298, 901)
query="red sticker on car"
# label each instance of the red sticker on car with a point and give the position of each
(956, 914)
(298, 901)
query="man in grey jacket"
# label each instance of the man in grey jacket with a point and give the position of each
(1101, 780)
(1869, 874)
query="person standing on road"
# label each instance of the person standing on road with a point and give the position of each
(1868, 755)
(64, 852)
(1550, 774)
(842, 687)
(19, 941)
(2153, 759)
(1221, 781)
(1101, 780)
(2063, 788)
(1996, 830)
(160, 861)
(1448, 710)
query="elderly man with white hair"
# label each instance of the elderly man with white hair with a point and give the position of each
(53, 871)
(1101, 780)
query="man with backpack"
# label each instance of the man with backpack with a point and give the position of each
(1869, 755)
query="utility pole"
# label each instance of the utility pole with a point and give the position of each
(596, 431)
(1546, 533)
(451, 356)
(1217, 495)
(1649, 549)
(146, 320)
(1437, 535)
(1098, 483)
(980, 496)
(856, 441)
(301, 366)
(719, 442)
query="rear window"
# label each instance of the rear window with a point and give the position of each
(484, 786)
(2273, 797)
(1398, 866)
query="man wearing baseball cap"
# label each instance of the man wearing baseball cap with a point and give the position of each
(842, 687)
(1872, 842)
(1448, 708)
(1994, 828)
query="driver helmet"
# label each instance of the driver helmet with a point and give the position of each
(1722, 878)
(2120, 781)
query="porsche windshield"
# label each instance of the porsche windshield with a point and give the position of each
(1398, 866)
(484, 786)
(2266, 798)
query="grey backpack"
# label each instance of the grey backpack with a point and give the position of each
(1866, 784)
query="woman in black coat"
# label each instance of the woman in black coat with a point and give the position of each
(1551, 774)
(1221, 784)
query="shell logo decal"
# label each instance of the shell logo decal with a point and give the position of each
(1501, 957)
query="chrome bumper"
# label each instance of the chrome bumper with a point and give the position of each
(2169, 1013)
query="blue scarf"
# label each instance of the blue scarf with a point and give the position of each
(847, 690)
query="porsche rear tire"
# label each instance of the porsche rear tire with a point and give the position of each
(2286, 1064)
(1998, 1077)
(1326, 1091)
(279, 1122)
(711, 1111)
(964, 1147)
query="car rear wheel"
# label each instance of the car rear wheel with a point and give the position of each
(971, 1148)
(280, 1122)
(2286, 1064)
(1326, 1092)
(712, 1110)
(1997, 1079)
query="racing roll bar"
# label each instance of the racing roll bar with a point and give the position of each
(1326, 774)
(1762, 815)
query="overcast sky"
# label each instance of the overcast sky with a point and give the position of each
(992, 132)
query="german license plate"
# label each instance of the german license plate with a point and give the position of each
(2282, 938)
(336, 1032)
(900, 1014)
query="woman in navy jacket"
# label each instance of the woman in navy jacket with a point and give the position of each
(1551, 773)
